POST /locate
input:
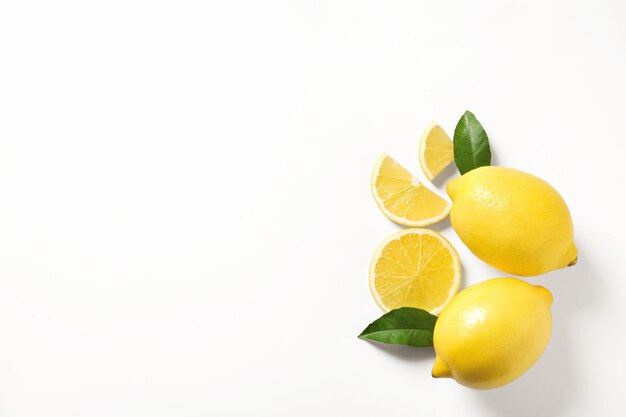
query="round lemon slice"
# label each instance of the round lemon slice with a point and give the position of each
(415, 268)
(402, 198)
(436, 150)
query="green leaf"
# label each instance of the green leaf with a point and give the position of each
(471, 145)
(404, 326)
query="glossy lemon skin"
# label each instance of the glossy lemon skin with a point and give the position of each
(492, 332)
(512, 220)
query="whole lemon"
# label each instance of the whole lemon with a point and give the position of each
(512, 220)
(492, 332)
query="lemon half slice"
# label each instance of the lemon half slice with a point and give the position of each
(415, 268)
(402, 198)
(436, 150)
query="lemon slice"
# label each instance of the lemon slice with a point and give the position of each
(436, 150)
(415, 268)
(402, 198)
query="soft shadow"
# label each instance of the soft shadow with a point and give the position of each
(441, 225)
(494, 158)
(550, 385)
(446, 175)
(407, 353)
(543, 390)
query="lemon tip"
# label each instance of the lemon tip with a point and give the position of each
(452, 188)
(440, 369)
(545, 293)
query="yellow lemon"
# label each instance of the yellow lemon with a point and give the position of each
(415, 268)
(492, 332)
(402, 198)
(512, 220)
(436, 150)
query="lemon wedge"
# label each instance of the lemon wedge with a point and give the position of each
(415, 268)
(402, 198)
(436, 150)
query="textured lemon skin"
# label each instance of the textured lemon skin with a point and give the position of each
(512, 220)
(492, 332)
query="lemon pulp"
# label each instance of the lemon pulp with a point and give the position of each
(436, 150)
(415, 268)
(402, 198)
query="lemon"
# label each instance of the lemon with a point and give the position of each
(402, 198)
(415, 268)
(492, 332)
(512, 220)
(436, 150)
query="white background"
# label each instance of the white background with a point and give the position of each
(185, 215)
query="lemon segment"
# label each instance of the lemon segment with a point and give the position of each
(415, 268)
(402, 198)
(436, 150)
